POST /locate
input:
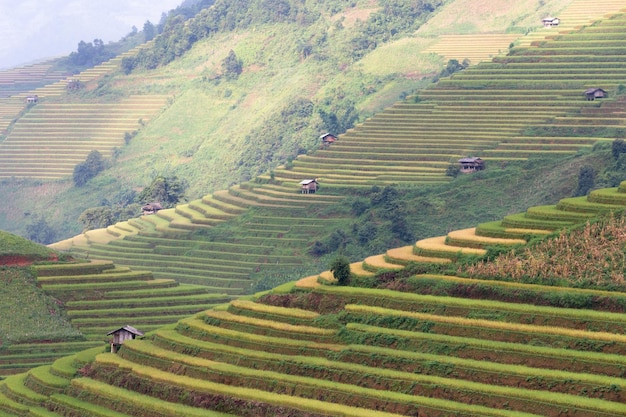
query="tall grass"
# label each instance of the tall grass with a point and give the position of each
(589, 256)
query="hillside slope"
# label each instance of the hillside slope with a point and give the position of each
(506, 111)
(401, 339)
(216, 134)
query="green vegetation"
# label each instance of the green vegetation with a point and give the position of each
(28, 313)
(419, 329)
(340, 267)
(85, 171)
(21, 249)
(558, 260)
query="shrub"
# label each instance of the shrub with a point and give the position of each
(340, 267)
(85, 171)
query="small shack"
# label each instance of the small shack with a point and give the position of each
(309, 186)
(32, 99)
(121, 335)
(151, 208)
(328, 139)
(74, 84)
(471, 164)
(550, 22)
(594, 93)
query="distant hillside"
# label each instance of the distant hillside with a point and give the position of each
(217, 132)
(382, 183)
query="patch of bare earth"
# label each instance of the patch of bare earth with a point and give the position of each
(351, 16)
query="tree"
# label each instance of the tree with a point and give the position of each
(92, 166)
(453, 170)
(38, 230)
(586, 181)
(340, 267)
(89, 54)
(232, 66)
(149, 31)
(618, 147)
(167, 191)
(97, 217)
(340, 116)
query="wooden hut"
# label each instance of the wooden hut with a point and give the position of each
(594, 93)
(74, 84)
(550, 22)
(32, 99)
(151, 208)
(471, 164)
(328, 139)
(309, 186)
(121, 335)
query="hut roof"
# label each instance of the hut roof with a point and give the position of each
(129, 329)
(306, 182)
(470, 159)
(154, 206)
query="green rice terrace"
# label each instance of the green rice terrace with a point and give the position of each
(523, 105)
(433, 329)
(47, 140)
(53, 305)
(520, 317)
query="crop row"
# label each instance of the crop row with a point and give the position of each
(488, 329)
(476, 308)
(391, 385)
(248, 402)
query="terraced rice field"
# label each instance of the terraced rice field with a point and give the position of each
(484, 47)
(275, 236)
(513, 230)
(51, 139)
(486, 110)
(475, 48)
(526, 104)
(15, 81)
(579, 14)
(385, 353)
(18, 83)
(67, 132)
(100, 297)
